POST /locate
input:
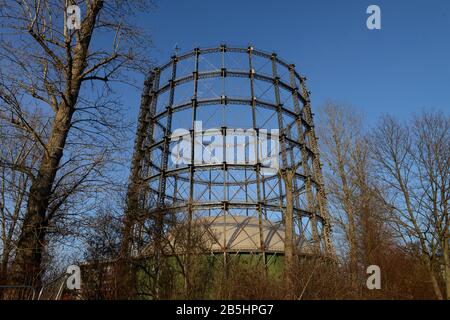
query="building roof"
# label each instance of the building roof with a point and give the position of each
(241, 234)
(233, 234)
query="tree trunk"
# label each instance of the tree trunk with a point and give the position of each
(434, 282)
(349, 210)
(446, 253)
(26, 269)
(436, 288)
(4, 271)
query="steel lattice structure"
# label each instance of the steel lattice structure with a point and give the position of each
(227, 88)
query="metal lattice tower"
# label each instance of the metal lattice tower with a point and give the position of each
(229, 88)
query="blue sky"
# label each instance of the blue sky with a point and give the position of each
(400, 69)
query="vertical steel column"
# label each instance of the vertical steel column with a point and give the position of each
(223, 49)
(135, 191)
(295, 185)
(191, 172)
(175, 199)
(210, 190)
(152, 121)
(167, 133)
(146, 161)
(159, 214)
(317, 172)
(150, 137)
(282, 140)
(279, 105)
(304, 154)
(258, 164)
(225, 207)
(193, 136)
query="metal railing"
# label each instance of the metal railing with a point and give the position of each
(52, 290)
(12, 292)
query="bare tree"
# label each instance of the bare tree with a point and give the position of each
(339, 132)
(68, 76)
(413, 163)
(18, 156)
(358, 203)
(373, 234)
(101, 238)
